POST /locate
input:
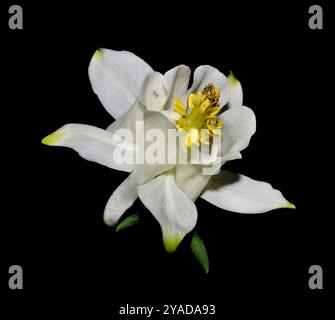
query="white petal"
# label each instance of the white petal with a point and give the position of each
(236, 93)
(176, 83)
(191, 180)
(116, 77)
(238, 126)
(157, 123)
(238, 193)
(171, 115)
(204, 75)
(207, 154)
(174, 211)
(92, 144)
(153, 94)
(158, 91)
(128, 120)
(125, 195)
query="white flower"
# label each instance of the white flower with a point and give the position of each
(131, 91)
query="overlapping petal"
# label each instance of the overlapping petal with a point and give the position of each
(116, 78)
(157, 93)
(191, 180)
(175, 212)
(176, 83)
(153, 94)
(238, 126)
(129, 119)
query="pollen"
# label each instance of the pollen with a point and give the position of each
(199, 120)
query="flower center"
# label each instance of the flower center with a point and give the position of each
(200, 120)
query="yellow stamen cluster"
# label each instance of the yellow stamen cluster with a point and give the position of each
(201, 122)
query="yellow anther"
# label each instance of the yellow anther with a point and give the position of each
(179, 107)
(191, 100)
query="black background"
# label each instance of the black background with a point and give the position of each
(53, 200)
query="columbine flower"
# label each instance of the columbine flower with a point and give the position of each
(131, 91)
